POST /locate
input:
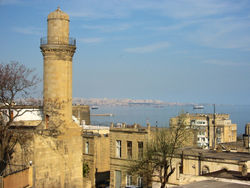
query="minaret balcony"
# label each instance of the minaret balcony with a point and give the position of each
(58, 41)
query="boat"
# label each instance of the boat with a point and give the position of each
(196, 107)
(94, 107)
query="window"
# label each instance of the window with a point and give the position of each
(11, 114)
(218, 139)
(118, 148)
(85, 169)
(118, 179)
(205, 170)
(139, 181)
(140, 150)
(129, 149)
(86, 147)
(46, 120)
(218, 131)
(128, 180)
(192, 122)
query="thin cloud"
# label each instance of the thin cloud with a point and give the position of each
(28, 30)
(183, 9)
(148, 48)
(91, 40)
(180, 9)
(226, 33)
(179, 25)
(225, 63)
(108, 28)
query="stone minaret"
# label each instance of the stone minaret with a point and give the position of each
(58, 50)
(57, 159)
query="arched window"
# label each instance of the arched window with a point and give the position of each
(205, 170)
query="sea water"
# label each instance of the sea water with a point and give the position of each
(160, 115)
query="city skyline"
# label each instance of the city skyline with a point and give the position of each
(181, 51)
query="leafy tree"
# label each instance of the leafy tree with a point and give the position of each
(16, 81)
(157, 162)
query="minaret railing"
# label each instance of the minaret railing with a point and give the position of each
(58, 41)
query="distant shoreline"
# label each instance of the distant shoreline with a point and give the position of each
(138, 102)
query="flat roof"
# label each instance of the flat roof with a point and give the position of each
(239, 156)
(213, 183)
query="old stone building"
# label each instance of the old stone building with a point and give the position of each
(82, 113)
(96, 157)
(246, 137)
(127, 143)
(197, 164)
(211, 129)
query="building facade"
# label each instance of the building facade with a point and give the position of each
(82, 113)
(211, 129)
(96, 157)
(193, 164)
(127, 143)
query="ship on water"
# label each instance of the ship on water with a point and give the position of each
(94, 107)
(198, 107)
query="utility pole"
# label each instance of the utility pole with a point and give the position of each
(248, 139)
(208, 131)
(214, 136)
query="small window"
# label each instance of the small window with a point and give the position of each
(218, 130)
(218, 140)
(86, 147)
(118, 148)
(11, 114)
(129, 149)
(140, 150)
(128, 180)
(47, 121)
(139, 181)
(205, 170)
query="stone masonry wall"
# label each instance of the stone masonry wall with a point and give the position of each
(57, 161)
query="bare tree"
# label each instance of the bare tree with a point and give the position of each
(157, 162)
(16, 81)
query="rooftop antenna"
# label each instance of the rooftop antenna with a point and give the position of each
(214, 136)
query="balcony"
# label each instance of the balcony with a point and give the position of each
(58, 41)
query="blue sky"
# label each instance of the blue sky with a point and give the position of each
(177, 51)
